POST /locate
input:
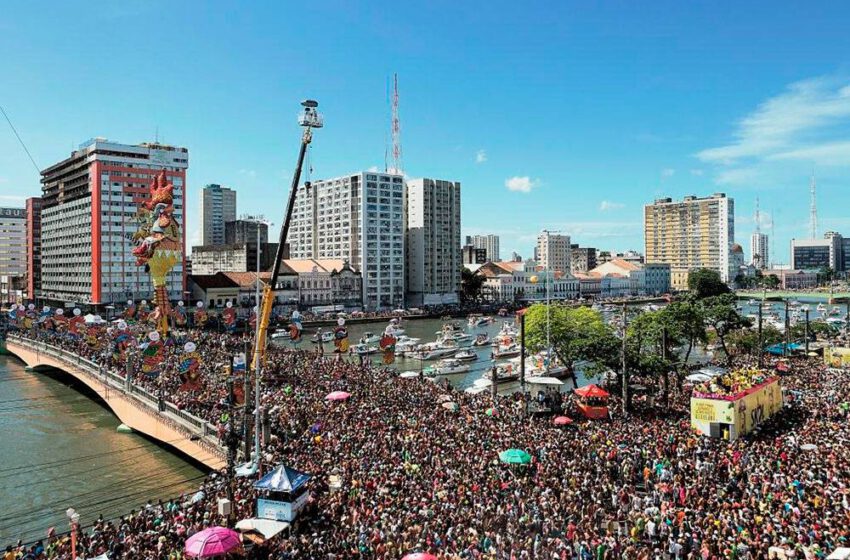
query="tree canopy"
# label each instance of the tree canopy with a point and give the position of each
(705, 282)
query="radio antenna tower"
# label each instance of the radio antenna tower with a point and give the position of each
(396, 131)
(758, 217)
(813, 209)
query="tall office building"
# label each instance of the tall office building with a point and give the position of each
(245, 231)
(33, 208)
(13, 252)
(814, 254)
(582, 259)
(89, 201)
(359, 218)
(489, 243)
(433, 242)
(553, 251)
(759, 251)
(694, 233)
(218, 206)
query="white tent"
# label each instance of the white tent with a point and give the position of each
(266, 527)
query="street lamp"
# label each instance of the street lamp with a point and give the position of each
(806, 310)
(74, 521)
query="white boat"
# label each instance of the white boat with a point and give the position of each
(439, 349)
(363, 349)
(466, 355)
(394, 328)
(508, 351)
(450, 366)
(405, 347)
(481, 340)
(821, 308)
(835, 312)
(751, 302)
(280, 334)
(508, 330)
(369, 338)
(327, 336)
(475, 321)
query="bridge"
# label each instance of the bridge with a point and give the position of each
(134, 406)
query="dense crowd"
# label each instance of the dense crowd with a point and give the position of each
(416, 476)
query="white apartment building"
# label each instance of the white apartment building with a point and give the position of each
(218, 206)
(358, 218)
(554, 252)
(759, 251)
(89, 204)
(489, 243)
(433, 242)
(13, 250)
(694, 233)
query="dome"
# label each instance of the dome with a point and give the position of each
(736, 248)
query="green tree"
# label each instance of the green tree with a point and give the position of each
(705, 282)
(816, 328)
(650, 337)
(687, 318)
(722, 316)
(577, 334)
(771, 281)
(825, 275)
(746, 340)
(470, 285)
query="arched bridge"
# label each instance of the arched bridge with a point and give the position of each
(134, 406)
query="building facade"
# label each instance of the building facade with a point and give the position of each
(582, 259)
(218, 206)
(694, 233)
(33, 208)
(471, 255)
(358, 218)
(759, 250)
(433, 242)
(488, 242)
(238, 257)
(327, 285)
(245, 231)
(89, 206)
(814, 254)
(553, 251)
(13, 253)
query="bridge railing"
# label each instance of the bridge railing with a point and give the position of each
(200, 430)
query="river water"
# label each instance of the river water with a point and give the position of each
(59, 448)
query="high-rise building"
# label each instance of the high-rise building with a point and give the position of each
(553, 251)
(582, 259)
(759, 251)
(488, 242)
(218, 206)
(359, 218)
(694, 233)
(236, 257)
(13, 252)
(33, 209)
(814, 254)
(89, 201)
(471, 255)
(433, 242)
(245, 231)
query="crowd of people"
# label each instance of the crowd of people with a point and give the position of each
(417, 476)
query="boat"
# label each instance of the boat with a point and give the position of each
(821, 308)
(363, 349)
(450, 366)
(835, 312)
(281, 334)
(449, 328)
(508, 330)
(439, 349)
(751, 302)
(508, 351)
(394, 328)
(476, 320)
(405, 347)
(503, 312)
(325, 337)
(481, 340)
(504, 373)
(369, 338)
(466, 355)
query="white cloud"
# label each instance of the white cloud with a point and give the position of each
(697, 172)
(480, 156)
(606, 205)
(668, 172)
(521, 184)
(827, 154)
(741, 177)
(373, 169)
(800, 122)
(248, 173)
(12, 198)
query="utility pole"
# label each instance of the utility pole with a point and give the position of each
(625, 374)
(761, 340)
(785, 351)
(231, 442)
(664, 361)
(522, 361)
(807, 331)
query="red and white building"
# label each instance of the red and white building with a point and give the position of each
(88, 218)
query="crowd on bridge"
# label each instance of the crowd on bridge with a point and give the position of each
(417, 476)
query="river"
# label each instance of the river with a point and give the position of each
(59, 448)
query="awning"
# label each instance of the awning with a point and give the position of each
(592, 391)
(266, 527)
(282, 479)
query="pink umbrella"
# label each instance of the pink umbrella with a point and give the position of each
(338, 396)
(420, 556)
(212, 542)
(562, 420)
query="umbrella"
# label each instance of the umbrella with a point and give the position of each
(562, 420)
(443, 398)
(338, 396)
(450, 406)
(515, 457)
(809, 447)
(212, 542)
(420, 556)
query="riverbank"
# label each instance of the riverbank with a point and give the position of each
(818, 296)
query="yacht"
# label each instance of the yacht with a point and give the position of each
(450, 366)
(508, 351)
(369, 338)
(475, 321)
(327, 336)
(363, 349)
(466, 355)
(433, 350)
(481, 340)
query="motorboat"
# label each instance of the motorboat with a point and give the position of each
(481, 340)
(821, 308)
(508, 351)
(450, 366)
(281, 334)
(327, 336)
(751, 302)
(466, 355)
(508, 330)
(369, 338)
(835, 312)
(504, 373)
(363, 349)
(405, 347)
(439, 349)
(394, 328)
(461, 337)
(449, 328)
(475, 321)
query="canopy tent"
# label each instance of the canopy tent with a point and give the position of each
(778, 349)
(282, 479)
(592, 392)
(266, 527)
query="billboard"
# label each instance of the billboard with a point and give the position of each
(834, 356)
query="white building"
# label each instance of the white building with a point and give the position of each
(524, 281)
(553, 251)
(358, 218)
(691, 234)
(759, 250)
(218, 206)
(13, 250)
(433, 242)
(489, 243)
(89, 202)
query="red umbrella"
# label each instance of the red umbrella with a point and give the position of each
(592, 391)
(419, 556)
(338, 396)
(562, 420)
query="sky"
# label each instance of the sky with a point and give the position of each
(565, 115)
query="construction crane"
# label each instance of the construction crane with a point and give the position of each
(308, 119)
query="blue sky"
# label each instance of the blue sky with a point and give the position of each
(560, 115)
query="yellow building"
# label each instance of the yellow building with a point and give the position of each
(730, 416)
(694, 233)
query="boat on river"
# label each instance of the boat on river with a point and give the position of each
(281, 334)
(369, 338)
(481, 340)
(509, 351)
(363, 349)
(327, 336)
(466, 355)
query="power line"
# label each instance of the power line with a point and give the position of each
(18, 136)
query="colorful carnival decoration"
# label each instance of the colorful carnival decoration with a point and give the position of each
(76, 324)
(228, 316)
(159, 244)
(200, 317)
(44, 315)
(190, 368)
(341, 336)
(295, 328)
(60, 322)
(152, 355)
(130, 310)
(387, 346)
(179, 314)
(142, 311)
